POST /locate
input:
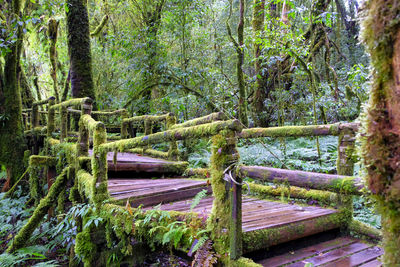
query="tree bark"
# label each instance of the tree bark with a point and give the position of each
(12, 143)
(381, 138)
(79, 50)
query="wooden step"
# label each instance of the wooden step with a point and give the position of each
(135, 163)
(339, 252)
(265, 223)
(147, 192)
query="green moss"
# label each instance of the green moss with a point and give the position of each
(265, 238)
(85, 248)
(34, 183)
(194, 132)
(26, 231)
(42, 161)
(291, 131)
(218, 116)
(224, 153)
(323, 197)
(362, 230)
(244, 262)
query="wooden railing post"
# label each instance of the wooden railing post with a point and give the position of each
(35, 116)
(51, 118)
(345, 166)
(226, 217)
(83, 137)
(99, 163)
(173, 152)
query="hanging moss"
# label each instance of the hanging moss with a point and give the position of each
(26, 231)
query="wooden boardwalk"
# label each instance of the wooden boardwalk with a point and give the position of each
(258, 215)
(340, 252)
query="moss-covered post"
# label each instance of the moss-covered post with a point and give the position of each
(173, 152)
(35, 116)
(380, 137)
(225, 220)
(51, 124)
(64, 123)
(148, 129)
(345, 166)
(83, 137)
(99, 163)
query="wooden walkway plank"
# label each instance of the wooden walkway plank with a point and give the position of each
(307, 252)
(358, 258)
(333, 255)
(374, 263)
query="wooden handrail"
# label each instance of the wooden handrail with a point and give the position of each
(298, 131)
(327, 182)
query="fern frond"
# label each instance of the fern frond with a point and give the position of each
(196, 200)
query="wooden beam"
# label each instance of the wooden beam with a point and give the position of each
(312, 180)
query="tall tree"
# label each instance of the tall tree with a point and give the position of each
(12, 142)
(259, 91)
(381, 138)
(79, 49)
(240, 58)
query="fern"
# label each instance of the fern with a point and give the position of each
(196, 200)
(205, 256)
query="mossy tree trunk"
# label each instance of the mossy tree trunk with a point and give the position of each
(79, 50)
(12, 143)
(381, 138)
(259, 94)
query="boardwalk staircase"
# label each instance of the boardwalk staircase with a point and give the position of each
(123, 175)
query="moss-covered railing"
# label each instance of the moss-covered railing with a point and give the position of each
(325, 188)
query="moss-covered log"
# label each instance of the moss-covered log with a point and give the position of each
(50, 200)
(194, 132)
(120, 112)
(76, 102)
(360, 229)
(381, 125)
(218, 116)
(265, 191)
(152, 118)
(319, 181)
(150, 152)
(265, 238)
(297, 131)
(42, 161)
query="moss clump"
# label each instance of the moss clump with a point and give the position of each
(85, 248)
(244, 262)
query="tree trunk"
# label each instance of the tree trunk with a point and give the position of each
(259, 91)
(381, 138)
(79, 49)
(12, 143)
(239, 70)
